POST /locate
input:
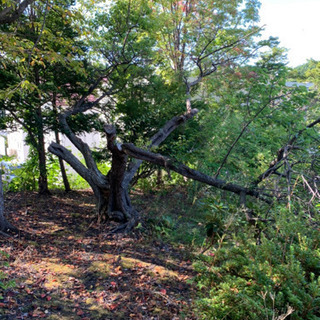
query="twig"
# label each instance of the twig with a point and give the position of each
(242, 132)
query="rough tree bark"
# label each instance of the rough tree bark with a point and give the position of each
(13, 12)
(112, 191)
(5, 225)
(169, 164)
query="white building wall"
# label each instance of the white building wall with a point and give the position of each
(3, 145)
(16, 146)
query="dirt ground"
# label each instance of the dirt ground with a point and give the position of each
(66, 266)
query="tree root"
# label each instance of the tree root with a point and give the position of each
(126, 227)
(7, 226)
(6, 235)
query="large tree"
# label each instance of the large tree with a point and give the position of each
(42, 67)
(140, 52)
(207, 36)
(197, 37)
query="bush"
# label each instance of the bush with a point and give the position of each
(242, 280)
(25, 176)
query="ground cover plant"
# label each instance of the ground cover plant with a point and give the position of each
(177, 265)
(262, 271)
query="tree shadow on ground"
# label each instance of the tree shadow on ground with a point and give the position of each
(67, 267)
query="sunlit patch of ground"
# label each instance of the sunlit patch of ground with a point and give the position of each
(66, 267)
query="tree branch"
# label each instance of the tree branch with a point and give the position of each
(11, 14)
(242, 132)
(281, 154)
(156, 140)
(87, 174)
(170, 164)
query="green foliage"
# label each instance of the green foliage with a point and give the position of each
(44, 66)
(171, 217)
(243, 280)
(301, 73)
(250, 115)
(25, 176)
(77, 182)
(203, 33)
(162, 226)
(54, 173)
(217, 214)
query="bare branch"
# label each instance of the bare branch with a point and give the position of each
(156, 140)
(315, 192)
(11, 13)
(274, 165)
(170, 164)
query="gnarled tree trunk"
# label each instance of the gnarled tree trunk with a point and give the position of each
(5, 225)
(111, 191)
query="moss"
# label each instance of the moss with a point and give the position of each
(101, 267)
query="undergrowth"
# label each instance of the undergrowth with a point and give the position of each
(274, 279)
(264, 271)
(267, 271)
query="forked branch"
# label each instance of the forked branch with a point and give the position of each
(281, 154)
(12, 13)
(156, 140)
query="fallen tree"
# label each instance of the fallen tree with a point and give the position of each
(112, 190)
(210, 51)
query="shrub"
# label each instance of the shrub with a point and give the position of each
(242, 280)
(25, 176)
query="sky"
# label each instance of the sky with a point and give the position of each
(297, 25)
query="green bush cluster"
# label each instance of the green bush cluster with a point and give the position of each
(26, 175)
(277, 279)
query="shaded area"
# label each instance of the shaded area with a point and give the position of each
(68, 267)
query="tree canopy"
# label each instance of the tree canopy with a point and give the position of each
(182, 92)
(146, 68)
